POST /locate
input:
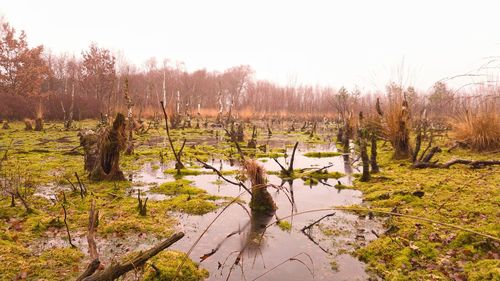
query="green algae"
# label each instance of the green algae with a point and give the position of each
(284, 225)
(322, 154)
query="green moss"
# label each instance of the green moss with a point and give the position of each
(483, 270)
(166, 264)
(310, 181)
(14, 259)
(322, 154)
(459, 196)
(326, 175)
(285, 225)
(183, 172)
(56, 264)
(179, 186)
(269, 155)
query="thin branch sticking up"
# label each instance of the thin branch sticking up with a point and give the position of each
(67, 227)
(177, 155)
(94, 255)
(288, 171)
(239, 183)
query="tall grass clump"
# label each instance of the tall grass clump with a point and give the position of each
(396, 121)
(478, 125)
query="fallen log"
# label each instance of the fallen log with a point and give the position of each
(116, 270)
(476, 164)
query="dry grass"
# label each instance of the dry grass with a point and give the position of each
(479, 127)
(255, 173)
(397, 122)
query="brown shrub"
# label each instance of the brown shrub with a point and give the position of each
(479, 128)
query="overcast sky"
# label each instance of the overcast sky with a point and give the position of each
(335, 43)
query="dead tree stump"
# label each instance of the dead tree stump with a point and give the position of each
(38, 124)
(88, 140)
(110, 143)
(261, 201)
(28, 125)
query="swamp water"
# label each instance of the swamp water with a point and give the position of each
(278, 253)
(271, 253)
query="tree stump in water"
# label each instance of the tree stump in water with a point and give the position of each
(110, 143)
(262, 201)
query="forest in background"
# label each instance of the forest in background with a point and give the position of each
(35, 83)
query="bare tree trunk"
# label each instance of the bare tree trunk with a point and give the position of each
(373, 157)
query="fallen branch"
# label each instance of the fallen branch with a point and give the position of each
(116, 270)
(239, 183)
(308, 227)
(475, 164)
(91, 268)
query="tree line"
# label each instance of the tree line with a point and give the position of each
(36, 83)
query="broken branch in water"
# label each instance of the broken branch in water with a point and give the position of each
(206, 256)
(308, 227)
(308, 232)
(239, 183)
(288, 171)
(177, 155)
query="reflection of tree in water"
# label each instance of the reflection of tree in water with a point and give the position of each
(253, 240)
(262, 211)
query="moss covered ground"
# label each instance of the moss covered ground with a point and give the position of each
(42, 162)
(409, 249)
(415, 250)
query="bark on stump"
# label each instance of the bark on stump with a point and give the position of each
(110, 143)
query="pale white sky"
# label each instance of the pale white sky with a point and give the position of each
(327, 42)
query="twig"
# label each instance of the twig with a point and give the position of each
(67, 227)
(207, 166)
(176, 155)
(83, 189)
(294, 258)
(316, 222)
